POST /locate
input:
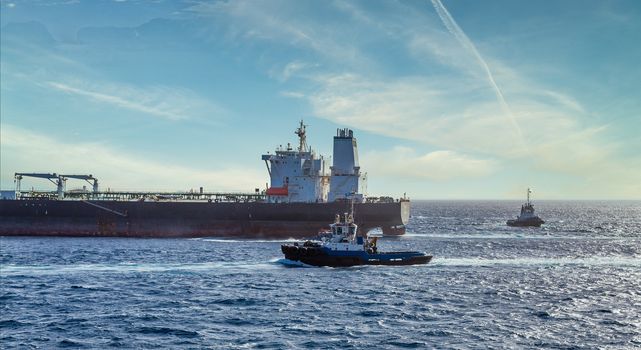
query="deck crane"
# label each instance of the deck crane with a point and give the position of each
(89, 178)
(59, 181)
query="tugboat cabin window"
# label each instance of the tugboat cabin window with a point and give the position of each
(339, 230)
(351, 230)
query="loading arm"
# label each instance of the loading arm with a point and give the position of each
(89, 178)
(59, 181)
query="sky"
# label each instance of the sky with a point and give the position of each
(448, 99)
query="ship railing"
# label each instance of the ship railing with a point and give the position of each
(214, 197)
(53, 195)
(382, 199)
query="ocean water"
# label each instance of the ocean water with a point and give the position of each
(575, 283)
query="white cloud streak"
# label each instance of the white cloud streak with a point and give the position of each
(405, 163)
(287, 23)
(465, 41)
(415, 109)
(421, 110)
(291, 69)
(118, 101)
(26, 151)
(157, 101)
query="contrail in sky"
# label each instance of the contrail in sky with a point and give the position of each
(458, 33)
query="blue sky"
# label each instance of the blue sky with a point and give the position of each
(448, 99)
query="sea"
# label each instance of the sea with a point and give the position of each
(574, 283)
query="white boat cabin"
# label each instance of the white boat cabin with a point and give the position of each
(344, 236)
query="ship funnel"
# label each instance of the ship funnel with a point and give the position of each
(345, 154)
(346, 178)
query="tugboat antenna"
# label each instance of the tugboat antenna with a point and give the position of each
(528, 195)
(351, 204)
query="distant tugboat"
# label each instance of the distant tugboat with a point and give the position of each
(345, 248)
(527, 217)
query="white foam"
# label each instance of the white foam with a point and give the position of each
(593, 261)
(224, 240)
(292, 263)
(126, 267)
(511, 235)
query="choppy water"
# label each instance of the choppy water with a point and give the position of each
(573, 284)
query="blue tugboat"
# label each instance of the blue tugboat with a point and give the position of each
(527, 216)
(344, 247)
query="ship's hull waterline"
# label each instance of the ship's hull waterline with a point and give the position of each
(189, 219)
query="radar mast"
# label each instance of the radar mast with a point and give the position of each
(302, 143)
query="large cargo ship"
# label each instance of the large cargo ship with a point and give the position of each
(304, 194)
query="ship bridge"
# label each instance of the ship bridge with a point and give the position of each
(299, 175)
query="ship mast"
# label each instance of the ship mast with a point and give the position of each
(302, 139)
(528, 195)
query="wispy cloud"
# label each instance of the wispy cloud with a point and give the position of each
(61, 70)
(293, 94)
(290, 69)
(28, 151)
(287, 23)
(430, 112)
(460, 35)
(158, 101)
(404, 162)
(151, 107)
(415, 109)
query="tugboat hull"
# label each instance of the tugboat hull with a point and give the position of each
(526, 223)
(527, 216)
(318, 256)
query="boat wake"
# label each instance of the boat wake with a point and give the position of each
(594, 261)
(31, 270)
(236, 240)
(291, 263)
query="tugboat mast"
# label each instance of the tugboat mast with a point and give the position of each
(528, 195)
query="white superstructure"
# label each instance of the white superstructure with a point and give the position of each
(299, 175)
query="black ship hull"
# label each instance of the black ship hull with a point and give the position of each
(103, 218)
(316, 256)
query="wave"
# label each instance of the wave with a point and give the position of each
(31, 270)
(291, 263)
(235, 240)
(148, 330)
(512, 235)
(594, 261)
(127, 267)
(480, 235)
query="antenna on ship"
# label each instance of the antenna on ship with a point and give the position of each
(528, 195)
(351, 204)
(302, 143)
